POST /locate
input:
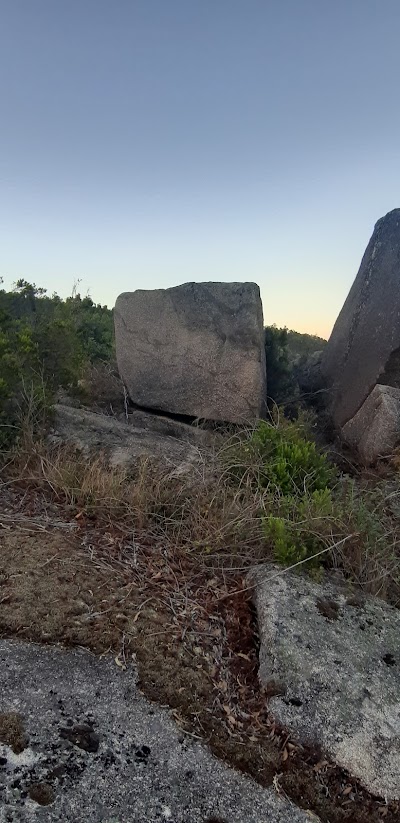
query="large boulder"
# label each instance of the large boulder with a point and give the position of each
(332, 661)
(195, 350)
(375, 430)
(364, 347)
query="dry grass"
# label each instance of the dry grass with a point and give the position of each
(199, 513)
(219, 514)
(69, 576)
(154, 565)
(102, 388)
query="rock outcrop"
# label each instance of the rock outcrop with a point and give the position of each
(364, 347)
(195, 350)
(123, 445)
(334, 658)
(374, 431)
(138, 765)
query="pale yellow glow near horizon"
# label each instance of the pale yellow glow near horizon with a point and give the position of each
(308, 309)
(306, 320)
(320, 328)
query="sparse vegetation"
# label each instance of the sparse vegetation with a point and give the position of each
(75, 577)
(12, 732)
(146, 553)
(269, 494)
(272, 493)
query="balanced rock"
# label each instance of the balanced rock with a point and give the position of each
(375, 430)
(194, 350)
(364, 347)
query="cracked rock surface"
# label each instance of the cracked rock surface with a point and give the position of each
(96, 751)
(335, 658)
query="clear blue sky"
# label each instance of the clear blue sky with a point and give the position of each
(146, 143)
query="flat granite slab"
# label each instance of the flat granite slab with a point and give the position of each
(93, 748)
(335, 657)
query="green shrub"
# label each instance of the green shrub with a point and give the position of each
(286, 461)
(281, 386)
(302, 529)
(285, 349)
(45, 343)
(295, 482)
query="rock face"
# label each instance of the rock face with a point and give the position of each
(336, 660)
(364, 347)
(138, 767)
(122, 444)
(171, 427)
(375, 430)
(195, 350)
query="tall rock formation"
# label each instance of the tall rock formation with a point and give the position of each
(195, 350)
(364, 347)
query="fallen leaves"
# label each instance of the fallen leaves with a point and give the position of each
(224, 705)
(231, 719)
(320, 765)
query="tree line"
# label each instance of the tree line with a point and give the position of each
(46, 343)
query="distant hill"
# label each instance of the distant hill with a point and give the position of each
(302, 345)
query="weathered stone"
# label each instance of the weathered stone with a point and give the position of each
(171, 427)
(375, 430)
(122, 444)
(195, 350)
(140, 419)
(364, 347)
(336, 661)
(144, 768)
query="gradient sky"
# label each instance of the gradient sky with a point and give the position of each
(147, 143)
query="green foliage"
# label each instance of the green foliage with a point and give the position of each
(300, 532)
(299, 478)
(280, 383)
(46, 341)
(303, 345)
(283, 350)
(288, 462)
(296, 482)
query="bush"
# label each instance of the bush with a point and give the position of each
(284, 350)
(296, 480)
(45, 343)
(311, 514)
(281, 386)
(301, 533)
(288, 462)
(301, 346)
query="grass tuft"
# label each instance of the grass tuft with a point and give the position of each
(268, 494)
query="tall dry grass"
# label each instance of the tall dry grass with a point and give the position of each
(223, 510)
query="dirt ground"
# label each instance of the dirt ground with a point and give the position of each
(66, 579)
